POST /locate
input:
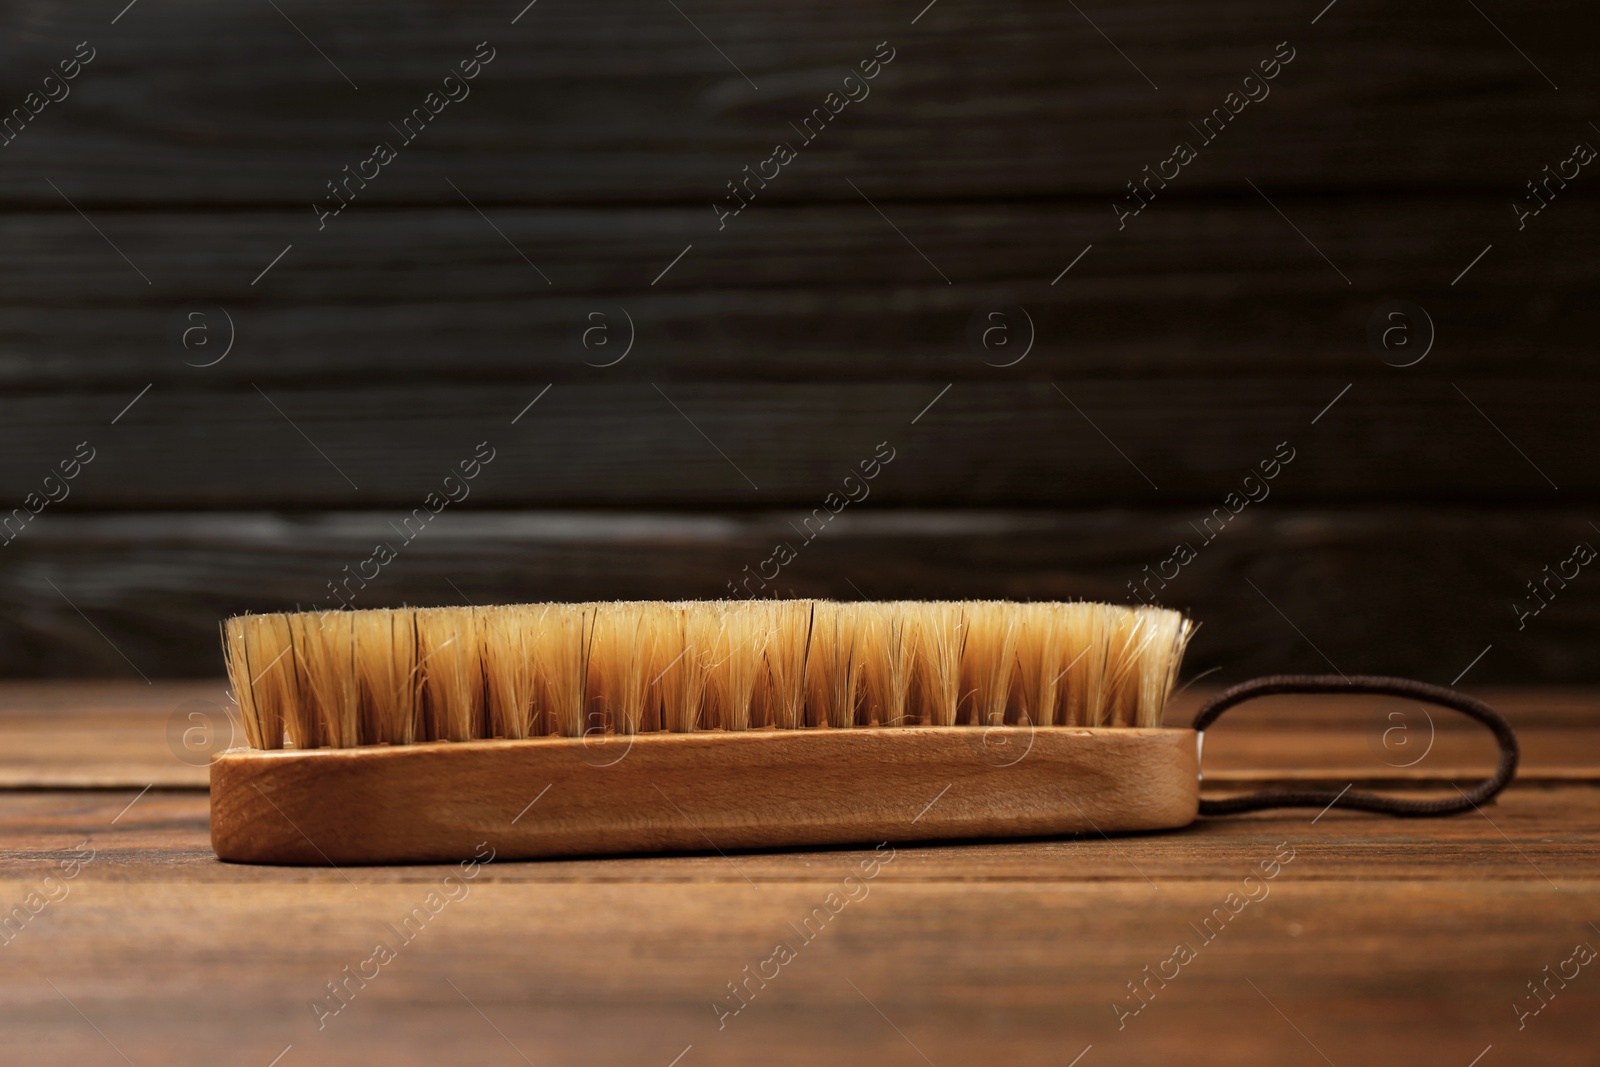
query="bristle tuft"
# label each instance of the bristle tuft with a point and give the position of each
(405, 675)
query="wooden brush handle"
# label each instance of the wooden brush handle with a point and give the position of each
(695, 792)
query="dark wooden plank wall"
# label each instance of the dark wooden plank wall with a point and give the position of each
(776, 354)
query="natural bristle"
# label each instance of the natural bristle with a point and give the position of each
(404, 675)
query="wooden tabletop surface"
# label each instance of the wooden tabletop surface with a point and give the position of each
(1359, 939)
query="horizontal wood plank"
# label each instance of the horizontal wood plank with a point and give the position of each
(633, 974)
(103, 735)
(1398, 591)
(226, 104)
(1381, 940)
(793, 293)
(751, 445)
(1370, 939)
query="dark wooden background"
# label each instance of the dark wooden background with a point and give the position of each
(1223, 320)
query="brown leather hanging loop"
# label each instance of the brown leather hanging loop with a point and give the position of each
(1350, 798)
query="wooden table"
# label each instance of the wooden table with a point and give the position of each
(1377, 940)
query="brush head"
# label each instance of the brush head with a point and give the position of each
(406, 675)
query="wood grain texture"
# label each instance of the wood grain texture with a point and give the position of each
(1223, 286)
(1221, 319)
(1405, 591)
(751, 445)
(1382, 941)
(207, 103)
(663, 792)
(100, 735)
